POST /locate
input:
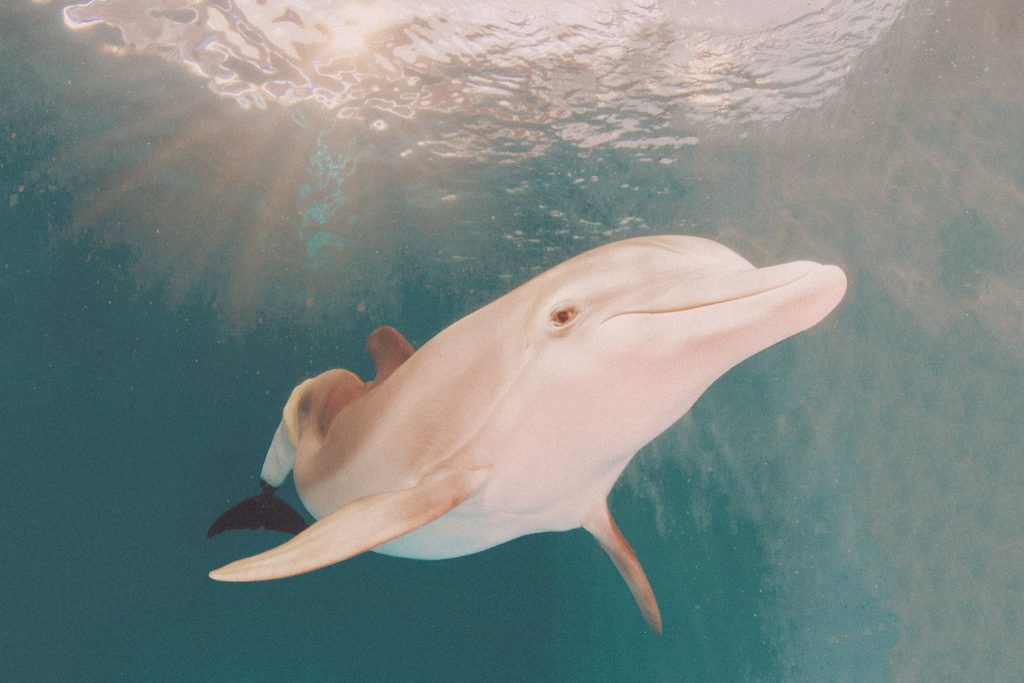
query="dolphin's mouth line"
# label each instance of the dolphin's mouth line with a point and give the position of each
(724, 300)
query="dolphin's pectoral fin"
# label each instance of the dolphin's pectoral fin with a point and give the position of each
(359, 526)
(265, 511)
(389, 349)
(602, 527)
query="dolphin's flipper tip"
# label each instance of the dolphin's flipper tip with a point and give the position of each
(358, 526)
(265, 511)
(603, 528)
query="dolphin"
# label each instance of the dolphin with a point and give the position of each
(520, 417)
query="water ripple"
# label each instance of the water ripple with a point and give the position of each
(634, 74)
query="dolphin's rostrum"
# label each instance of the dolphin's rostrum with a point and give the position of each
(520, 417)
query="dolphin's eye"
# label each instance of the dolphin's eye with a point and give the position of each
(563, 315)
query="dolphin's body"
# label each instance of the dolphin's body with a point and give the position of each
(520, 417)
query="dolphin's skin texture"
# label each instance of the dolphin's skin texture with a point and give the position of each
(520, 417)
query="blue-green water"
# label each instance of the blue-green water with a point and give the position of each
(845, 506)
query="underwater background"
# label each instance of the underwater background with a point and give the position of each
(204, 202)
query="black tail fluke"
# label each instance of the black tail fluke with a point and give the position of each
(265, 511)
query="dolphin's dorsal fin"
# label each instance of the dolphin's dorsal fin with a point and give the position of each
(389, 349)
(359, 526)
(602, 527)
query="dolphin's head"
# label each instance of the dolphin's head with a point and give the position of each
(630, 334)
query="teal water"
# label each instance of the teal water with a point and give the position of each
(844, 506)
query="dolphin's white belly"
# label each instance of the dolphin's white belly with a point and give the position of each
(460, 532)
(523, 495)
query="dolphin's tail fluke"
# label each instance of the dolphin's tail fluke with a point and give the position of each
(265, 511)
